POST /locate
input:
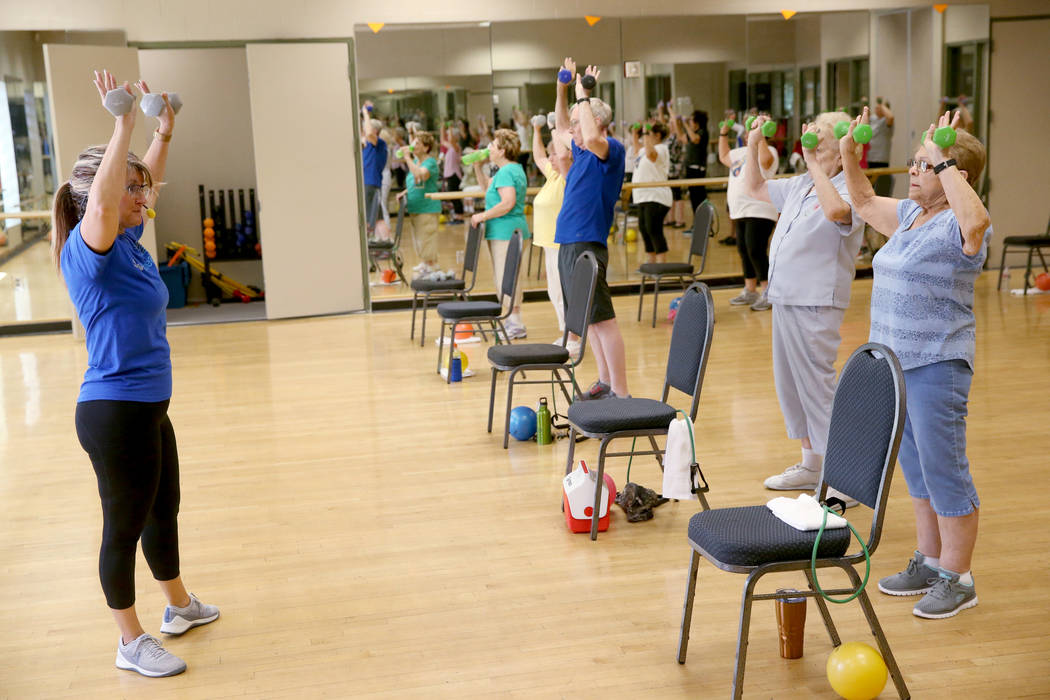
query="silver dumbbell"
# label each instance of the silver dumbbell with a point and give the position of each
(118, 102)
(538, 120)
(552, 121)
(153, 103)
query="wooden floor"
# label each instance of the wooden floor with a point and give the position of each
(365, 537)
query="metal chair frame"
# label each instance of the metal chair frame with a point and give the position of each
(1034, 244)
(394, 251)
(472, 254)
(697, 247)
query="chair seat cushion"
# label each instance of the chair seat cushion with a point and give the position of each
(424, 285)
(1032, 241)
(468, 309)
(380, 245)
(527, 354)
(752, 535)
(666, 268)
(612, 415)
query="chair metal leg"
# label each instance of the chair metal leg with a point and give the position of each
(451, 349)
(641, 297)
(415, 297)
(572, 450)
(1002, 262)
(510, 396)
(656, 298)
(656, 448)
(423, 326)
(741, 644)
(822, 605)
(492, 396)
(687, 607)
(441, 345)
(880, 637)
(1028, 270)
(596, 513)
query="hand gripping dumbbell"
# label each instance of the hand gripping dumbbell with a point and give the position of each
(400, 153)
(538, 120)
(118, 101)
(564, 76)
(727, 124)
(861, 134)
(153, 103)
(944, 137)
(588, 82)
(552, 120)
(769, 128)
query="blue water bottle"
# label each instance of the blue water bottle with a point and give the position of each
(455, 367)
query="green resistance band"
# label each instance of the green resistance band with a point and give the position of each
(813, 562)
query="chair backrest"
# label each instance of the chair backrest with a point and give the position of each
(581, 298)
(471, 255)
(703, 219)
(511, 267)
(400, 225)
(690, 343)
(867, 421)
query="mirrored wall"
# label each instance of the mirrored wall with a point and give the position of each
(653, 68)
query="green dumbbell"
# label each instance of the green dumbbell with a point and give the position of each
(769, 129)
(400, 153)
(944, 137)
(727, 124)
(636, 126)
(750, 120)
(862, 134)
(810, 139)
(476, 156)
(841, 128)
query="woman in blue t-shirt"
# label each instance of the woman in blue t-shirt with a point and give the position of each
(922, 308)
(122, 412)
(504, 213)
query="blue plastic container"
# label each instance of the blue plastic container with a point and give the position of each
(177, 280)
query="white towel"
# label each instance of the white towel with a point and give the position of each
(804, 513)
(678, 457)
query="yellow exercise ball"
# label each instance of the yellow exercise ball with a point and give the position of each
(528, 208)
(464, 361)
(631, 235)
(442, 219)
(856, 671)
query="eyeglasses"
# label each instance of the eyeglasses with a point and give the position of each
(134, 190)
(573, 123)
(921, 165)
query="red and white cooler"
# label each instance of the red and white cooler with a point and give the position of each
(578, 499)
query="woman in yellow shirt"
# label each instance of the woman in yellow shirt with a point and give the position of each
(545, 208)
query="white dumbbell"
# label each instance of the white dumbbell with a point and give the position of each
(153, 103)
(538, 120)
(118, 102)
(551, 120)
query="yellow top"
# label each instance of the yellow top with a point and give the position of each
(545, 208)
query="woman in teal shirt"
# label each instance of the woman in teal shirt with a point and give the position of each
(504, 212)
(423, 213)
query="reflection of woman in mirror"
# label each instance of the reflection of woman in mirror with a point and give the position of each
(422, 179)
(545, 209)
(811, 267)
(753, 220)
(922, 308)
(122, 411)
(452, 169)
(697, 142)
(521, 128)
(676, 148)
(651, 165)
(373, 161)
(384, 190)
(504, 213)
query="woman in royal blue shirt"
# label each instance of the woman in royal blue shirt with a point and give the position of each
(122, 412)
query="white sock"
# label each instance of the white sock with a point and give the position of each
(964, 578)
(515, 318)
(811, 460)
(932, 562)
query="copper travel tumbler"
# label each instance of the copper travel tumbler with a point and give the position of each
(791, 623)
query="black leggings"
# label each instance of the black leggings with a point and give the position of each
(452, 185)
(752, 240)
(697, 193)
(651, 224)
(132, 448)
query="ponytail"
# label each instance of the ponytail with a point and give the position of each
(64, 218)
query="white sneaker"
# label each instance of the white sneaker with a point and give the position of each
(178, 620)
(574, 347)
(745, 298)
(147, 656)
(515, 332)
(794, 478)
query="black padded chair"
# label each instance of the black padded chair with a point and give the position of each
(433, 291)
(547, 356)
(1032, 244)
(389, 250)
(480, 313)
(613, 418)
(684, 272)
(867, 420)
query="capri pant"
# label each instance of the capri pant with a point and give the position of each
(132, 449)
(651, 225)
(752, 242)
(933, 448)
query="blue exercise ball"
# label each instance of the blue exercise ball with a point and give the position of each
(675, 303)
(522, 423)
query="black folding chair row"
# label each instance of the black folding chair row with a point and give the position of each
(1020, 244)
(432, 291)
(612, 419)
(867, 420)
(684, 272)
(389, 250)
(547, 356)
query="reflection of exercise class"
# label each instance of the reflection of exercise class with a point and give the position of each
(678, 352)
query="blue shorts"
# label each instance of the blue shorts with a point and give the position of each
(933, 449)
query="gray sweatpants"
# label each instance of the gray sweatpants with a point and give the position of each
(806, 341)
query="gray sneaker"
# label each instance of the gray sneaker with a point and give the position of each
(946, 599)
(916, 579)
(762, 304)
(745, 298)
(598, 390)
(179, 620)
(794, 478)
(146, 655)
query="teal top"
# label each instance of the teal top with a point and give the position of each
(502, 228)
(416, 201)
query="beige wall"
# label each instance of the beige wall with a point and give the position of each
(545, 44)
(685, 39)
(213, 144)
(966, 23)
(438, 50)
(770, 42)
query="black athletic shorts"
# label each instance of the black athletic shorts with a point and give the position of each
(602, 309)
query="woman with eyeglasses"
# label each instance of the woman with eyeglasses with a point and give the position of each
(122, 411)
(922, 308)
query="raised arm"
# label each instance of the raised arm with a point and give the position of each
(883, 110)
(962, 198)
(879, 212)
(593, 140)
(723, 145)
(368, 132)
(561, 105)
(156, 158)
(481, 173)
(101, 223)
(754, 184)
(833, 206)
(539, 153)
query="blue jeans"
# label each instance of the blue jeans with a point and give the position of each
(933, 448)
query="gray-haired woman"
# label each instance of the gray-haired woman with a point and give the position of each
(122, 411)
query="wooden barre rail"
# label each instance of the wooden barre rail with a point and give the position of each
(628, 186)
(42, 214)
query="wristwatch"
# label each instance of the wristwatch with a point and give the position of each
(583, 99)
(943, 165)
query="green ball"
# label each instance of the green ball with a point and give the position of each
(769, 129)
(862, 134)
(841, 128)
(944, 137)
(810, 140)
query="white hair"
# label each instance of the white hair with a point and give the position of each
(601, 111)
